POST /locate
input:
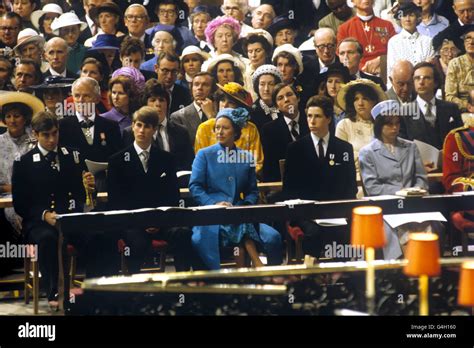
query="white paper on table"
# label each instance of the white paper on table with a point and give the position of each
(212, 206)
(396, 220)
(295, 202)
(331, 222)
(96, 167)
(428, 153)
(183, 173)
(381, 198)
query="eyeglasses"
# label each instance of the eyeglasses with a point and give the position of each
(169, 72)
(137, 18)
(453, 50)
(167, 12)
(9, 28)
(230, 8)
(328, 46)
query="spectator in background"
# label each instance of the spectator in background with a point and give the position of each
(107, 15)
(165, 39)
(137, 21)
(55, 53)
(30, 45)
(237, 9)
(340, 12)
(444, 54)
(199, 19)
(263, 16)
(402, 82)
(283, 30)
(460, 75)
(6, 72)
(27, 73)
(24, 8)
(10, 26)
(191, 59)
(409, 44)
(431, 23)
(43, 18)
(225, 68)
(69, 27)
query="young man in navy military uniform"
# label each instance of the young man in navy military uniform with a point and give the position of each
(49, 180)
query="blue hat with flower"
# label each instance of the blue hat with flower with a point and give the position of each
(238, 116)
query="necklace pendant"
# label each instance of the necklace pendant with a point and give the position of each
(369, 48)
(366, 27)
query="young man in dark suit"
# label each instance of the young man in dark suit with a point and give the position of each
(277, 134)
(94, 136)
(49, 180)
(143, 176)
(429, 119)
(319, 166)
(169, 136)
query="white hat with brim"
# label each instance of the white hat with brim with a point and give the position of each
(261, 32)
(48, 8)
(341, 95)
(27, 36)
(66, 20)
(7, 97)
(212, 62)
(194, 50)
(293, 51)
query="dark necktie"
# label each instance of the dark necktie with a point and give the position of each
(159, 139)
(203, 116)
(86, 124)
(429, 115)
(321, 149)
(51, 158)
(294, 132)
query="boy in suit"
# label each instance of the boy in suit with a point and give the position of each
(319, 166)
(144, 176)
(49, 180)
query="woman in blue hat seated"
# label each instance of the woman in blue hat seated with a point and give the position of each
(224, 175)
(390, 164)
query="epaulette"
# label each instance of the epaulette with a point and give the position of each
(453, 131)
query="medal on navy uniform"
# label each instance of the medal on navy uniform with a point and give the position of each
(331, 159)
(102, 138)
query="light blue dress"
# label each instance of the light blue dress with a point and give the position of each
(216, 178)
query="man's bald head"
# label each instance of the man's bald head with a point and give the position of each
(325, 43)
(55, 53)
(402, 79)
(464, 9)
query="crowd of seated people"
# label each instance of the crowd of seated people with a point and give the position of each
(337, 94)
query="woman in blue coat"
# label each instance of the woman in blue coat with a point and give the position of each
(223, 174)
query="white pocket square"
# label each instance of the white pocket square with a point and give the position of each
(451, 119)
(163, 175)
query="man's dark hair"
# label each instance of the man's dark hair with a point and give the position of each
(155, 89)
(326, 104)
(131, 45)
(279, 87)
(44, 121)
(436, 75)
(29, 61)
(168, 56)
(213, 81)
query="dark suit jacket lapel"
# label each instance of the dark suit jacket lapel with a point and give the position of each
(76, 128)
(171, 136)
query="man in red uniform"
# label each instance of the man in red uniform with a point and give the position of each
(372, 32)
(458, 170)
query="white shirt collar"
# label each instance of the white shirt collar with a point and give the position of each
(316, 138)
(164, 123)
(82, 118)
(198, 108)
(289, 120)
(55, 73)
(139, 150)
(365, 18)
(406, 35)
(44, 152)
(422, 103)
(316, 3)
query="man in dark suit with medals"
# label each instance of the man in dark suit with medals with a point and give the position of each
(319, 166)
(143, 176)
(49, 180)
(94, 136)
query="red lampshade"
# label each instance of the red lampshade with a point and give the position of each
(367, 227)
(423, 255)
(466, 285)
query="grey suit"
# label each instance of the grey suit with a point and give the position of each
(393, 96)
(188, 117)
(384, 174)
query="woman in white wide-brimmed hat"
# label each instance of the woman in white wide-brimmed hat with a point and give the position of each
(191, 59)
(43, 18)
(17, 110)
(69, 27)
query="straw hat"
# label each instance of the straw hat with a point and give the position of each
(238, 94)
(7, 97)
(341, 95)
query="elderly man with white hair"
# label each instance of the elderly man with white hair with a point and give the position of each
(237, 9)
(94, 136)
(55, 53)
